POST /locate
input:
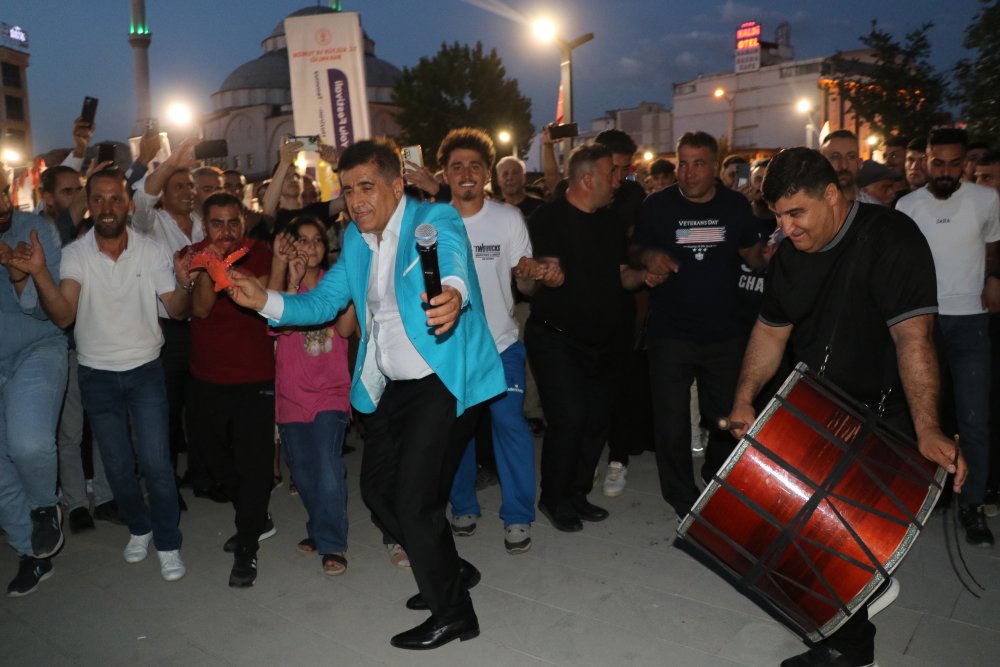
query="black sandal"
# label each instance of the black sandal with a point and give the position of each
(330, 563)
(307, 546)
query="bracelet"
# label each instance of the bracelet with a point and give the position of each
(187, 288)
(293, 288)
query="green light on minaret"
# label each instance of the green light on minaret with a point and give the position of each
(336, 5)
(134, 29)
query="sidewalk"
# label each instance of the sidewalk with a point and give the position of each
(616, 594)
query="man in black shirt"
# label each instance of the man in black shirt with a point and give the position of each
(570, 333)
(697, 233)
(851, 291)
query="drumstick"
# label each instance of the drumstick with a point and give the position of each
(725, 424)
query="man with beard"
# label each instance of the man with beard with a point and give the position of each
(230, 411)
(175, 224)
(32, 380)
(693, 236)
(961, 221)
(501, 250)
(840, 147)
(112, 281)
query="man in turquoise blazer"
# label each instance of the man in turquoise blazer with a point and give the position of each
(424, 372)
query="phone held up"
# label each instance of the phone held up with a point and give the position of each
(211, 148)
(310, 142)
(413, 154)
(89, 111)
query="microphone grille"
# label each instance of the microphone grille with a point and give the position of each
(426, 235)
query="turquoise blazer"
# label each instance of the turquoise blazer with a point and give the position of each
(465, 358)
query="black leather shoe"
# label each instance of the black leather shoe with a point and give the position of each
(564, 520)
(80, 520)
(587, 511)
(432, 634)
(470, 577)
(824, 656)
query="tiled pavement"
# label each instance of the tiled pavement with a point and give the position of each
(618, 593)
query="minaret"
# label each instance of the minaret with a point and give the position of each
(139, 37)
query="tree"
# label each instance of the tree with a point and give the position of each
(460, 87)
(898, 91)
(979, 80)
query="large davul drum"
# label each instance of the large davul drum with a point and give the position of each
(816, 506)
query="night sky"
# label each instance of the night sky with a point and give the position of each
(641, 47)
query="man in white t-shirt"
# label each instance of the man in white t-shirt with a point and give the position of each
(961, 222)
(501, 249)
(113, 279)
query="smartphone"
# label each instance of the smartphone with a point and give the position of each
(742, 179)
(152, 127)
(211, 148)
(413, 154)
(89, 111)
(105, 152)
(310, 142)
(563, 131)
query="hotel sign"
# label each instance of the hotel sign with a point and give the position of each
(748, 47)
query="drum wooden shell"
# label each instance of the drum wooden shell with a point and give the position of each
(817, 504)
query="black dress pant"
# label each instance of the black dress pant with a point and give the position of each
(413, 448)
(575, 386)
(673, 366)
(232, 427)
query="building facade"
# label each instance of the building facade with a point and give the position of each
(15, 116)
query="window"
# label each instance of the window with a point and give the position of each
(685, 89)
(249, 161)
(14, 107)
(11, 75)
(800, 70)
(236, 162)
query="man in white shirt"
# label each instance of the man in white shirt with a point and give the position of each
(176, 224)
(112, 281)
(501, 248)
(961, 222)
(426, 366)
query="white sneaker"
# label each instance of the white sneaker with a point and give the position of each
(171, 566)
(138, 547)
(614, 481)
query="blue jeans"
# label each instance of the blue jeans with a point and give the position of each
(31, 388)
(137, 398)
(967, 353)
(513, 447)
(315, 458)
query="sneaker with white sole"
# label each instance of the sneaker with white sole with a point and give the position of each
(46, 531)
(397, 556)
(30, 571)
(884, 597)
(171, 566)
(138, 547)
(464, 525)
(614, 480)
(517, 538)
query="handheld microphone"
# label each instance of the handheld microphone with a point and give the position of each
(427, 243)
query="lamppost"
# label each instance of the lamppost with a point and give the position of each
(545, 30)
(504, 136)
(804, 106)
(722, 93)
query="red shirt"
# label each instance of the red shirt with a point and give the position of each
(231, 345)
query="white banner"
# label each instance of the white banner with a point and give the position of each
(326, 61)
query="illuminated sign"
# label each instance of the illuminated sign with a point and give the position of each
(748, 36)
(748, 47)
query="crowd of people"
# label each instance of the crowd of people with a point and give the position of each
(180, 310)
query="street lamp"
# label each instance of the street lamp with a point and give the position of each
(11, 157)
(506, 137)
(804, 106)
(648, 156)
(545, 30)
(180, 114)
(722, 93)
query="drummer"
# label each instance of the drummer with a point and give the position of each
(853, 295)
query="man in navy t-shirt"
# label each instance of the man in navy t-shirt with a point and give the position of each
(694, 235)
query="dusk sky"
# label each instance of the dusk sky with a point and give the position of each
(641, 47)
